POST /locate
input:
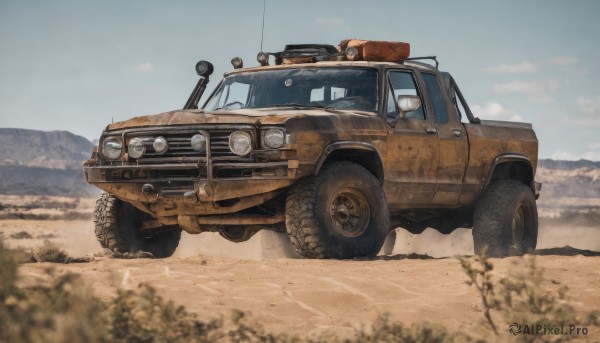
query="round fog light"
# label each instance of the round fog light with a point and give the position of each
(136, 148)
(274, 138)
(160, 145)
(111, 148)
(240, 143)
(198, 142)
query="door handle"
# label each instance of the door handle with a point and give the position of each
(457, 132)
(431, 130)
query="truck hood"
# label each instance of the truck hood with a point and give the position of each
(272, 116)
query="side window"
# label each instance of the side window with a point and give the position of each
(402, 83)
(436, 98)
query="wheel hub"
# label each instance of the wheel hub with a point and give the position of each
(349, 211)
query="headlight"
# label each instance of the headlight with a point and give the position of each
(160, 145)
(136, 148)
(111, 148)
(274, 138)
(198, 142)
(240, 143)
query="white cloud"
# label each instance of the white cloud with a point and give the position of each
(589, 106)
(534, 90)
(589, 113)
(520, 87)
(144, 68)
(560, 154)
(523, 67)
(335, 22)
(560, 60)
(586, 121)
(495, 111)
(529, 67)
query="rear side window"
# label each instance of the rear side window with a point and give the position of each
(436, 98)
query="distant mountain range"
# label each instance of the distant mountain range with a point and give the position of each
(568, 165)
(49, 163)
(43, 163)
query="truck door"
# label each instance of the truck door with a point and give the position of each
(412, 148)
(453, 143)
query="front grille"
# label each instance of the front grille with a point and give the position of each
(180, 149)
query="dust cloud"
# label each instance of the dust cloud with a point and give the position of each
(78, 239)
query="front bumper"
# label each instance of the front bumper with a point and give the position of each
(199, 196)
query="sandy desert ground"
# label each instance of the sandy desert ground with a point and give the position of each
(420, 281)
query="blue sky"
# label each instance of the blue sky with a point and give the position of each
(77, 65)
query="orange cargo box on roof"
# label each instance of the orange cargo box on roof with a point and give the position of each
(380, 51)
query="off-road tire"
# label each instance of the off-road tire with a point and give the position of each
(117, 229)
(497, 219)
(312, 226)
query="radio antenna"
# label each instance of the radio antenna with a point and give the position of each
(262, 32)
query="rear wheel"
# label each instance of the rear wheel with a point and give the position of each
(341, 213)
(118, 230)
(505, 221)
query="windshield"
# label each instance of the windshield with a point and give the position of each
(337, 88)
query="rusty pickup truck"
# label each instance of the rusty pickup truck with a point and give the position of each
(334, 146)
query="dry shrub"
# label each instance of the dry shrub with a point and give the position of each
(50, 253)
(384, 331)
(523, 297)
(73, 215)
(46, 253)
(21, 235)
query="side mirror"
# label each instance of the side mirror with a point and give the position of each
(407, 103)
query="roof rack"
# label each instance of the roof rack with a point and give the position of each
(433, 58)
(307, 53)
(321, 48)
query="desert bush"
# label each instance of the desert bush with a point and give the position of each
(523, 298)
(25, 216)
(46, 253)
(144, 316)
(53, 204)
(382, 330)
(50, 253)
(21, 235)
(73, 215)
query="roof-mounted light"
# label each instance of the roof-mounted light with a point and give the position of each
(237, 63)
(351, 53)
(204, 68)
(263, 58)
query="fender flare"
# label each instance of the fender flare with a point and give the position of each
(348, 145)
(512, 157)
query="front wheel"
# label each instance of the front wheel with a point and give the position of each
(341, 213)
(118, 230)
(505, 221)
